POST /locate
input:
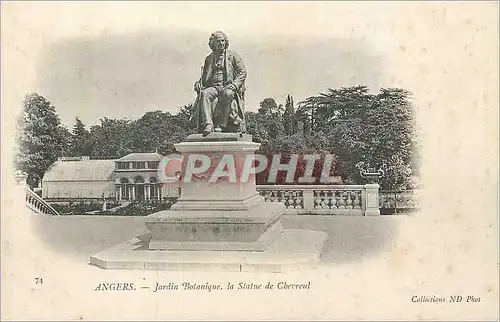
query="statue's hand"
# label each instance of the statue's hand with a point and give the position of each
(197, 87)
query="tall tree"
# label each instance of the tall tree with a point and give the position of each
(389, 133)
(150, 131)
(159, 131)
(289, 122)
(80, 140)
(333, 107)
(41, 137)
(269, 106)
(111, 139)
(267, 124)
(375, 129)
(305, 116)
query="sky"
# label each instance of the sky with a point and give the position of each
(125, 73)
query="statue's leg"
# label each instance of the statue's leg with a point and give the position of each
(207, 97)
(226, 96)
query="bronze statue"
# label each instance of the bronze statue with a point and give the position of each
(219, 105)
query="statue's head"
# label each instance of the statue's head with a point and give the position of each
(218, 41)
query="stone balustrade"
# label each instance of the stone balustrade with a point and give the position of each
(298, 199)
(324, 199)
(38, 205)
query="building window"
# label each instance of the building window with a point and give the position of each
(153, 164)
(122, 165)
(154, 192)
(124, 188)
(139, 165)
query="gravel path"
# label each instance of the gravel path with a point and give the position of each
(350, 238)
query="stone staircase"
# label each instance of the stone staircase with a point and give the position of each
(39, 206)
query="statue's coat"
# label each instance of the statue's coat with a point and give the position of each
(235, 74)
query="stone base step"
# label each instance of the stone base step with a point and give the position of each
(292, 250)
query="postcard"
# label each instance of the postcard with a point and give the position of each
(250, 160)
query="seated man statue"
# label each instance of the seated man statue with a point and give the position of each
(219, 105)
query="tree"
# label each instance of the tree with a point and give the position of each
(269, 106)
(80, 140)
(390, 136)
(111, 139)
(41, 137)
(289, 122)
(149, 132)
(155, 131)
(376, 129)
(267, 124)
(180, 128)
(183, 117)
(334, 106)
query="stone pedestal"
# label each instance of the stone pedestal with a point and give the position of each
(372, 199)
(218, 222)
(250, 230)
(217, 212)
(203, 191)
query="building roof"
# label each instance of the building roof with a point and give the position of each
(88, 170)
(141, 157)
